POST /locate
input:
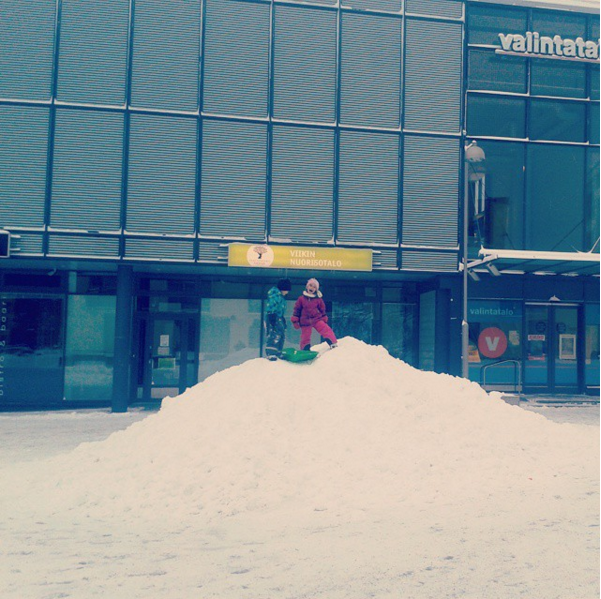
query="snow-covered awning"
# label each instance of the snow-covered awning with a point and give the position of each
(500, 262)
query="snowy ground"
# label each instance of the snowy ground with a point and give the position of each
(353, 477)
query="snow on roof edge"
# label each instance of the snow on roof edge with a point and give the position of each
(583, 6)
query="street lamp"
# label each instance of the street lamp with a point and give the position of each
(474, 171)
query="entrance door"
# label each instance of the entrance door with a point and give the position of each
(168, 348)
(551, 357)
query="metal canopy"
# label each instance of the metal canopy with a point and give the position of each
(500, 262)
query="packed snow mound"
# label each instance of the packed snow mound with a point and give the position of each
(354, 430)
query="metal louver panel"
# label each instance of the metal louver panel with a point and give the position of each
(166, 47)
(93, 51)
(302, 184)
(28, 245)
(26, 48)
(305, 64)
(232, 201)
(430, 184)
(236, 58)
(23, 155)
(452, 9)
(86, 179)
(386, 259)
(370, 70)
(368, 188)
(97, 247)
(433, 73)
(429, 261)
(162, 174)
(159, 249)
(387, 5)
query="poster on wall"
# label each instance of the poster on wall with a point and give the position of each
(567, 347)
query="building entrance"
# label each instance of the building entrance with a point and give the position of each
(551, 360)
(167, 355)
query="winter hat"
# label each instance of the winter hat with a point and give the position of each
(315, 282)
(284, 285)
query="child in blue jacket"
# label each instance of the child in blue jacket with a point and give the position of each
(275, 322)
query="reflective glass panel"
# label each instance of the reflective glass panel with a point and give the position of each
(488, 71)
(557, 121)
(592, 200)
(353, 319)
(594, 82)
(563, 24)
(31, 350)
(485, 23)
(494, 116)
(230, 333)
(90, 347)
(399, 330)
(558, 78)
(566, 337)
(554, 201)
(593, 123)
(504, 212)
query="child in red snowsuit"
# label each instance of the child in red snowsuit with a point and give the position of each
(310, 313)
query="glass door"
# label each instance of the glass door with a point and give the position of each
(551, 356)
(169, 349)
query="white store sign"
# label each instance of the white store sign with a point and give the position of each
(542, 46)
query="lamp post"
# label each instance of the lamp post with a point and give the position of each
(474, 171)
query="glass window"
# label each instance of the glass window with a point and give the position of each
(559, 121)
(495, 335)
(90, 348)
(485, 23)
(504, 213)
(592, 200)
(230, 333)
(496, 116)
(353, 319)
(594, 82)
(31, 350)
(492, 72)
(399, 330)
(563, 24)
(558, 78)
(555, 192)
(593, 123)
(591, 348)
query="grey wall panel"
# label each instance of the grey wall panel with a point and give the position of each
(233, 182)
(236, 62)
(86, 178)
(26, 48)
(370, 70)
(93, 51)
(165, 70)
(429, 261)
(96, 247)
(437, 8)
(159, 249)
(433, 73)
(305, 64)
(302, 184)
(23, 155)
(162, 174)
(430, 186)
(368, 187)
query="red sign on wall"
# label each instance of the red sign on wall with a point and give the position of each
(492, 342)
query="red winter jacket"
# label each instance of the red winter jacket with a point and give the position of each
(308, 310)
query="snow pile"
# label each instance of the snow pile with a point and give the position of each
(356, 430)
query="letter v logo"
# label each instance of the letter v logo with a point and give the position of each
(506, 41)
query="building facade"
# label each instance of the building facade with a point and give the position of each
(143, 140)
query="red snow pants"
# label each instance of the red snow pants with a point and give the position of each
(322, 328)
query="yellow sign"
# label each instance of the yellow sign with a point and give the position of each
(304, 258)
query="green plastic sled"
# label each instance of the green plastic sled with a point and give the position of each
(298, 355)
